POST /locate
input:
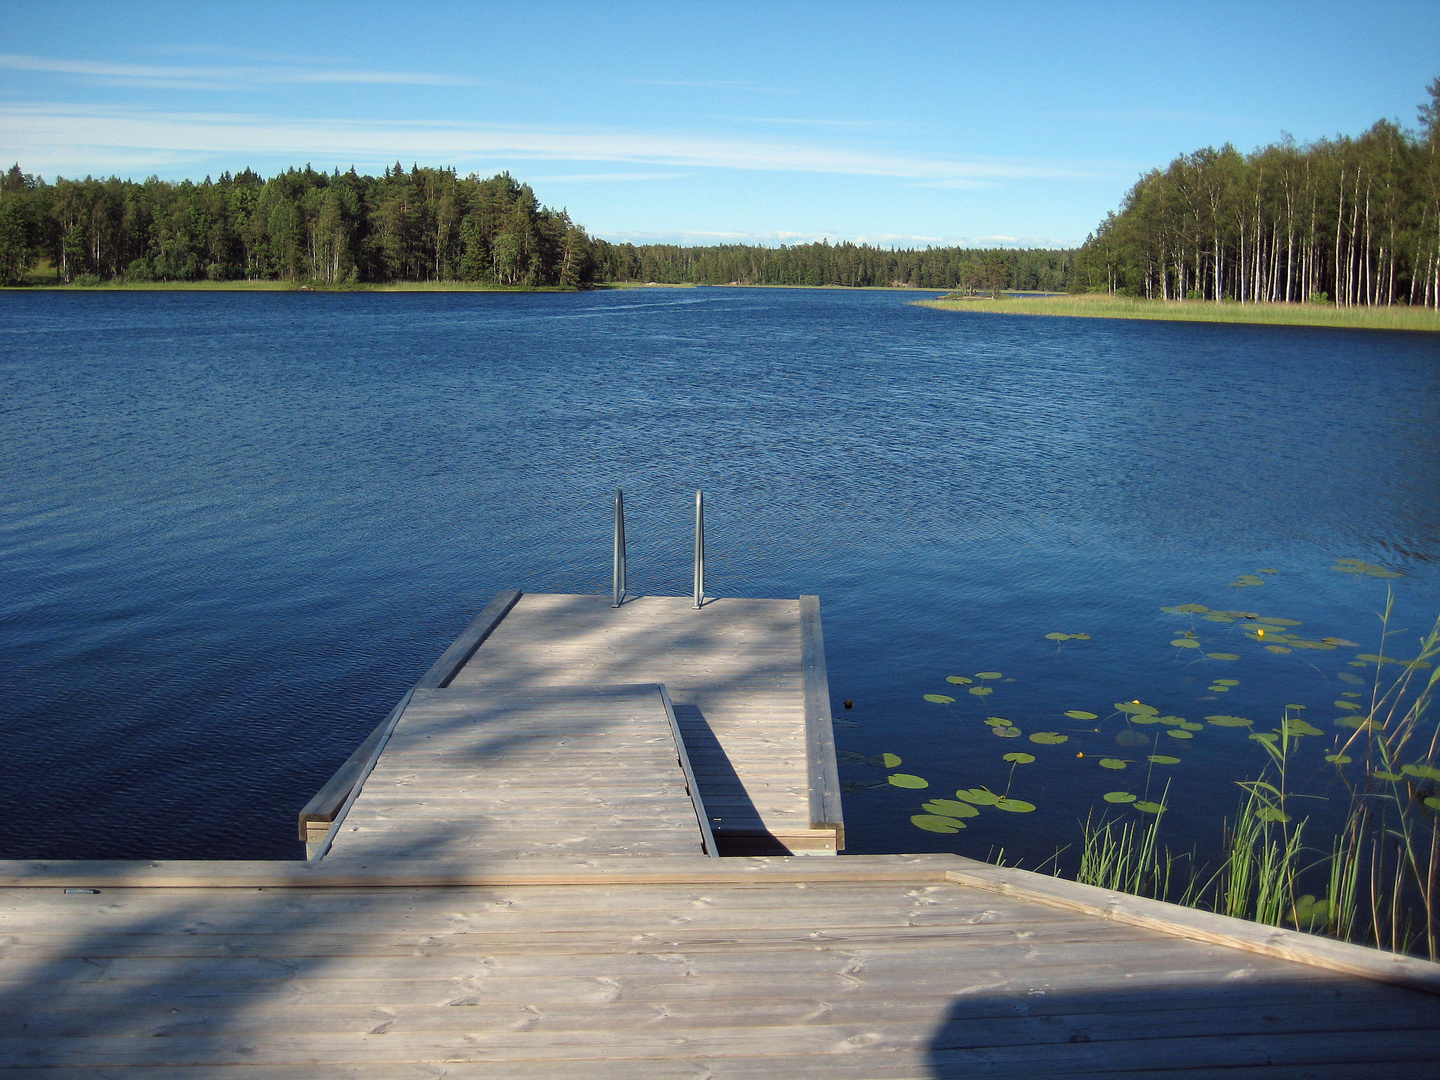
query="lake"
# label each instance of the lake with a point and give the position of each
(236, 526)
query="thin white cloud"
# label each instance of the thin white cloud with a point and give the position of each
(603, 178)
(168, 76)
(52, 137)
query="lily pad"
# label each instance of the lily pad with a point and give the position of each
(1131, 738)
(1192, 609)
(987, 674)
(1271, 621)
(1346, 705)
(981, 691)
(1246, 580)
(1421, 770)
(1346, 677)
(1278, 649)
(1164, 759)
(1433, 802)
(1292, 705)
(958, 680)
(1185, 643)
(889, 760)
(1265, 737)
(979, 796)
(1218, 689)
(1134, 708)
(1176, 733)
(1223, 655)
(1172, 721)
(1359, 723)
(950, 808)
(1350, 693)
(936, 824)
(1015, 806)
(1296, 726)
(1057, 637)
(1111, 763)
(1227, 682)
(1149, 807)
(906, 780)
(1119, 797)
(1339, 641)
(1081, 714)
(1049, 738)
(1006, 732)
(939, 699)
(1185, 725)
(1228, 721)
(1339, 759)
(1381, 774)
(1217, 616)
(1019, 758)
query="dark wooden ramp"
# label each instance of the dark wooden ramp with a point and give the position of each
(516, 773)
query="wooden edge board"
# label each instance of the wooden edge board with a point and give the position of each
(702, 816)
(325, 806)
(315, 850)
(342, 871)
(470, 639)
(1186, 922)
(824, 774)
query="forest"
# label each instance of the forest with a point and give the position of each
(1349, 221)
(424, 225)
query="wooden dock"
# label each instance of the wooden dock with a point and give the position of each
(515, 876)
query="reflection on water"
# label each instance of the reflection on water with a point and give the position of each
(236, 527)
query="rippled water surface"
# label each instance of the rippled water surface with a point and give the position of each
(235, 527)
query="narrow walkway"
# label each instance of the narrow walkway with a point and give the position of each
(734, 672)
(541, 771)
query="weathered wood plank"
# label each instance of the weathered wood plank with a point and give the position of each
(822, 771)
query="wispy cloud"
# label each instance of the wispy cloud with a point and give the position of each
(49, 137)
(175, 77)
(604, 178)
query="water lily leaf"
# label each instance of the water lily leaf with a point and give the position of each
(1271, 621)
(1015, 806)
(850, 757)
(1350, 693)
(936, 824)
(1357, 663)
(979, 796)
(1119, 797)
(1186, 725)
(1049, 738)
(1217, 616)
(1278, 649)
(1149, 807)
(1356, 566)
(1339, 759)
(1134, 708)
(1272, 813)
(939, 699)
(1192, 609)
(1346, 705)
(1111, 763)
(1185, 643)
(1164, 759)
(1080, 637)
(987, 674)
(950, 808)
(1302, 644)
(1265, 736)
(1433, 802)
(1346, 677)
(1422, 770)
(906, 780)
(1359, 723)
(1131, 738)
(1057, 637)
(981, 691)
(1176, 733)
(1228, 721)
(958, 680)
(1171, 721)
(1246, 580)
(1292, 705)
(1019, 758)
(1081, 714)
(1217, 689)
(1227, 682)
(1223, 655)
(1145, 718)
(1296, 726)
(1381, 774)
(1267, 570)
(1006, 732)
(889, 760)
(1339, 641)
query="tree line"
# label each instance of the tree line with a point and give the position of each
(421, 225)
(424, 224)
(1353, 221)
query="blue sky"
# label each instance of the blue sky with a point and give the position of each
(895, 123)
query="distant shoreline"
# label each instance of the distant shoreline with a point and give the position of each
(1100, 306)
(414, 286)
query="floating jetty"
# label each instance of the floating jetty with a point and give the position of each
(519, 874)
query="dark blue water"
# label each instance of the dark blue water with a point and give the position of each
(235, 527)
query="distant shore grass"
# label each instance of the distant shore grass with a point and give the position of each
(1100, 306)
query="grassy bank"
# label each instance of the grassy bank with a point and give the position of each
(1100, 306)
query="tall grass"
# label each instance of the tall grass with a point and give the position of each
(1380, 872)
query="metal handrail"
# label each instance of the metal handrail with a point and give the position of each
(617, 587)
(699, 549)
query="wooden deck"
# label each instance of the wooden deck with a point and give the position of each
(681, 967)
(543, 771)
